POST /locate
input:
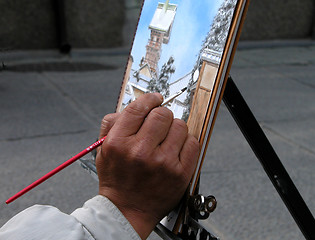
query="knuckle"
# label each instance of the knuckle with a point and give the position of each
(138, 154)
(131, 151)
(111, 146)
(108, 120)
(180, 174)
(163, 157)
(138, 151)
(180, 125)
(135, 108)
(193, 144)
(161, 114)
(142, 105)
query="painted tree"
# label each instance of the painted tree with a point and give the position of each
(187, 101)
(161, 84)
(216, 38)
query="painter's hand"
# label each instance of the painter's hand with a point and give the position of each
(146, 162)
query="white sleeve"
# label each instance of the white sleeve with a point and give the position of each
(98, 219)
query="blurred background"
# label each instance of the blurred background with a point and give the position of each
(61, 67)
(47, 24)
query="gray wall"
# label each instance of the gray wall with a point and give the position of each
(279, 19)
(27, 24)
(31, 24)
(96, 23)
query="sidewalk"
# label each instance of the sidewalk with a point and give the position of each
(51, 109)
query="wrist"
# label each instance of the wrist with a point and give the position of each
(142, 222)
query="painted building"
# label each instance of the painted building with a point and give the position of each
(160, 27)
(138, 83)
(210, 61)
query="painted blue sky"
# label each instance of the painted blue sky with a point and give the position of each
(192, 23)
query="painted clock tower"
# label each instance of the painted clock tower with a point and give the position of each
(160, 26)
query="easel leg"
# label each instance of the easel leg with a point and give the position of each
(269, 159)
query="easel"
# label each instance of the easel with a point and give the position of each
(271, 164)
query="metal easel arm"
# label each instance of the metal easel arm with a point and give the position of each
(269, 159)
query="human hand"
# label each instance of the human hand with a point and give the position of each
(146, 161)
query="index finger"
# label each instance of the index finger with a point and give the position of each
(134, 114)
(107, 123)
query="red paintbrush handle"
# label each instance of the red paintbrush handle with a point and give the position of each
(57, 169)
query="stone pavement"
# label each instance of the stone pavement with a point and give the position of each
(51, 109)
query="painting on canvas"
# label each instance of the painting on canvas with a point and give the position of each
(177, 52)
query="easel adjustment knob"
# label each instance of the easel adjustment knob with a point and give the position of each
(201, 207)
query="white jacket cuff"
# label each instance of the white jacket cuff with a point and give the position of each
(102, 218)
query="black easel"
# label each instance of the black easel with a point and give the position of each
(269, 159)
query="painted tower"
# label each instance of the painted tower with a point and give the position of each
(160, 26)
